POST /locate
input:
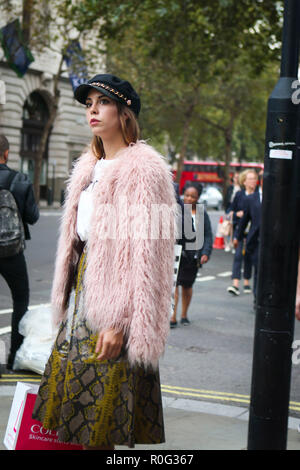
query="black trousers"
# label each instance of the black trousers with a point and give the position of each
(238, 260)
(14, 271)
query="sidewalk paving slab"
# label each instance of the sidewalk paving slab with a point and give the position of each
(185, 428)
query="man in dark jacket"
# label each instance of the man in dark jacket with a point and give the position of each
(13, 268)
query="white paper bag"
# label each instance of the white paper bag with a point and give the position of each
(25, 433)
(37, 328)
(16, 412)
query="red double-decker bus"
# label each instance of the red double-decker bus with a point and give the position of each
(210, 172)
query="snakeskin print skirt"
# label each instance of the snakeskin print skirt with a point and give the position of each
(92, 402)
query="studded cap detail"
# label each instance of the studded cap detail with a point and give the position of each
(113, 87)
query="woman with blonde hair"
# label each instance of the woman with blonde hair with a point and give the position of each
(248, 181)
(243, 175)
(101, 385)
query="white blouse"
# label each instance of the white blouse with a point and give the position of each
(85, 205)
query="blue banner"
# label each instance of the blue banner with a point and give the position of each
(74, 59)
(16, 52)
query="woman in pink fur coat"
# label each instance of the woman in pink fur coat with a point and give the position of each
(101, 384)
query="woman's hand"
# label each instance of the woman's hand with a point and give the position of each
(109, 344)
(204, 259)
(240, 214)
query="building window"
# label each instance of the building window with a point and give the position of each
(35, 116)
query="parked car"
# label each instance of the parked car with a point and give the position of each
(211, 197)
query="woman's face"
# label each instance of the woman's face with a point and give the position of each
(102, 115)
(250, 181)
(191, 196)
(236, 179)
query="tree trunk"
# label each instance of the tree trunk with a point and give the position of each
(45, 134)
(26, 19)
(185, 140)
(38, 162)
(228, 144)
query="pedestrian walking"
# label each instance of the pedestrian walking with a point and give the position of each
(190, 260)
(228, 200)
(101, 384)
(232, 189)
(18, 208)
(248, 181)
(252, 215)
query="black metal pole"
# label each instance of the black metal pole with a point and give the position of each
(278, 256)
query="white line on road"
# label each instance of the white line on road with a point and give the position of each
(31, 307)
(55, 214)
(8, 310)
(5, 330)
(205, 278)
(200, 278)
(191, 406)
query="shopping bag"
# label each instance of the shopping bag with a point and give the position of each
(226, 227)
(25, 433)
(39, 335)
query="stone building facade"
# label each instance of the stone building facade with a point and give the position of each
(23, 111)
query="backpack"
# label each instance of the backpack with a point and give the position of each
(12, 237)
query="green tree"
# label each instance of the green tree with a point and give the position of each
(197, 62)
(177, 53)
(52, 26)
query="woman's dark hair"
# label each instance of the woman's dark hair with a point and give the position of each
(197, 186)
(130, 130)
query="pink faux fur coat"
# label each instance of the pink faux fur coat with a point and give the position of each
(129, 273)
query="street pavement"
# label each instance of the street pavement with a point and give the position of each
(206, 369)
(189, 425)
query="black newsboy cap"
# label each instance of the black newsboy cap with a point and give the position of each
(113, 87)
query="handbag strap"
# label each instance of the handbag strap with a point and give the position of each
(9, 181)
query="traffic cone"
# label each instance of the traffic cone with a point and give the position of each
(219, 240)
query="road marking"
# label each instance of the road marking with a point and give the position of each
(7, 310)
(205, 395)
(214, 395)
(200, 278)
(23, 379)
(31, 307)
(192, 406)
(5, 330)
(15, 377)
(205, 278)
(20, 375)
(206, 391)
(168, 389)
(50, 213)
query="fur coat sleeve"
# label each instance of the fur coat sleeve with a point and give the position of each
(130, 251)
